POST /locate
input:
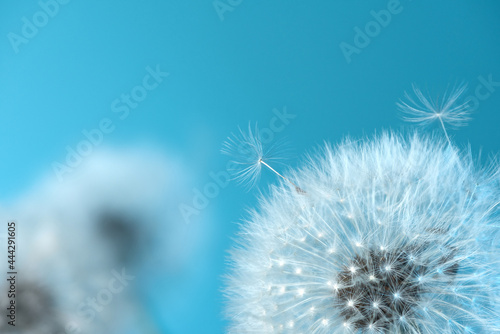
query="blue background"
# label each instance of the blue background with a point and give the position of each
(223, 74)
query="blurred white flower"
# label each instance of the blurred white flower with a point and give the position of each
(117, 210)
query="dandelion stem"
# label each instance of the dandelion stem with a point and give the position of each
(444, 129)
(299, 190)
(271, 168)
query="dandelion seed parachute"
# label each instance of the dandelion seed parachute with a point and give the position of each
(389, 237)
(250, 155)
(451, 111)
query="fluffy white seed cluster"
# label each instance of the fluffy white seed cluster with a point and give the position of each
(389, 235)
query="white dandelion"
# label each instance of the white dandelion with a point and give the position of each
(450, 111)
(389, 237)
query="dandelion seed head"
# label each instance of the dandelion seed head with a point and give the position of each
(391, 283)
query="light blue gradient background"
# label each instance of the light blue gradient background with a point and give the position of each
(223, 74)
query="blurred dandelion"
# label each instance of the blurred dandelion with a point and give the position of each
(250, 153)
(450, 111)
(116, 211)
(389, 238)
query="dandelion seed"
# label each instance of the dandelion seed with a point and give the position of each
(449, 111)
(251, 154)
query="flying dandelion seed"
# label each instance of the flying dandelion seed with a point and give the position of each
(448, 111)
(389, 237)
(250, 154)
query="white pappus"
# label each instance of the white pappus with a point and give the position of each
(451, 110)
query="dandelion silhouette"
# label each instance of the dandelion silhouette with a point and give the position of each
(389, 238)
(448, 111)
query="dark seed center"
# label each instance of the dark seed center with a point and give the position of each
(382, 287)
